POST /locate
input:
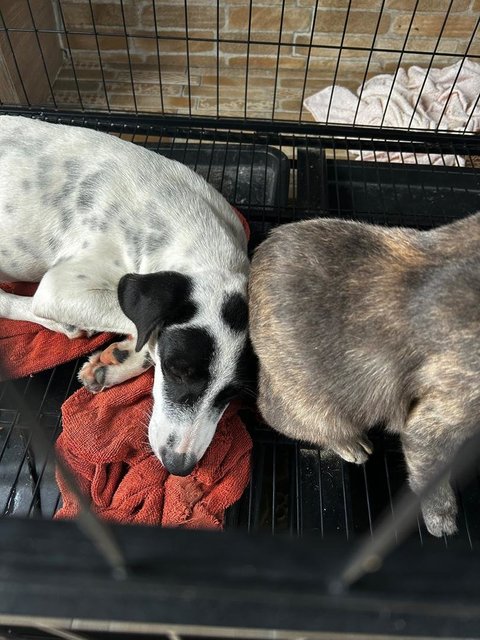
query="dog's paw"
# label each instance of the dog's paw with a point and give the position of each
(439, 524)
(356, 451)
(93, 373)
(440, 517)
(111, 366)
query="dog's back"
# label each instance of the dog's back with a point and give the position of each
(349, 319)
(355, 325)
(60, 185)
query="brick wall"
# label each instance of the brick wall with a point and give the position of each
(118, 51)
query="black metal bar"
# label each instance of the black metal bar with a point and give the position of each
(423, 140)
(217, 58)
(157, 40)
(130, 67)
(245, 103)
(95, 33)
(187, 49)
(307, 63)
(70, 54)
(6, 30)
(253, 41)
(430, 64)
(407, 35)
(370, 54)
(277, 65)
(45, 68)
(339, 57)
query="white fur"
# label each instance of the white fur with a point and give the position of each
(79, 209)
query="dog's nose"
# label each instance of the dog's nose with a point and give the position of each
(178, 464)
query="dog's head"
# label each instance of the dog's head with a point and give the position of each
(196, 330)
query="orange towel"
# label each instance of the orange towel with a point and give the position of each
(104, 442)
(27, 348)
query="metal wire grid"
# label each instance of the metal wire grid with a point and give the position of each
(340, 48)
(294, 488)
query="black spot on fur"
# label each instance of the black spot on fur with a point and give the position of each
(85, 244)
(85, 200)
(22, 245)
(235, 312)
(147, 362)
(81, 276)
(120, 355)
(53, 244)
(112, 210)
(66, 217)
(134, 242)
(185, 357)
(27, 248)
(87, 189)
(153, 242)
(26, 185)
(61, 196)
(44, 172)
(72, 167)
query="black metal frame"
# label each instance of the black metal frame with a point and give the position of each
(213, 584)
(54, 580)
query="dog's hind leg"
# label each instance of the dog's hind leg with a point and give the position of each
(113, 365)
(13, 307)
(77, 292)
(285, 416)
(430, 438)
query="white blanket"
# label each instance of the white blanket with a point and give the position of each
(447, 99)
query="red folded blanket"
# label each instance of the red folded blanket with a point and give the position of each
(104, 440)
(27, 348)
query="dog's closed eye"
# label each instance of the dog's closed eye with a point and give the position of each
(180, 372)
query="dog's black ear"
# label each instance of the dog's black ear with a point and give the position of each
(155, 300)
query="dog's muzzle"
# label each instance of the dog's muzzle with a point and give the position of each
(178, 464)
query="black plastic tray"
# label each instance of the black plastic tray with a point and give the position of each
(246, 175)
(415, 195)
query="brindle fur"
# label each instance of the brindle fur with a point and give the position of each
(357, 325)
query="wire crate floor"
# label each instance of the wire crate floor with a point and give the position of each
(273, 178)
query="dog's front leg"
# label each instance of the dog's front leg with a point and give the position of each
(113, 365)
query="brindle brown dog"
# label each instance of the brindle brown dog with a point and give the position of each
(356, 325)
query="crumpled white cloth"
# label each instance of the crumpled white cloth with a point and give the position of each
(416, 98)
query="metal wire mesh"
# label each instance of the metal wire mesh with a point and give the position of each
(248, 60)
(221, 87)
(275, 178)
